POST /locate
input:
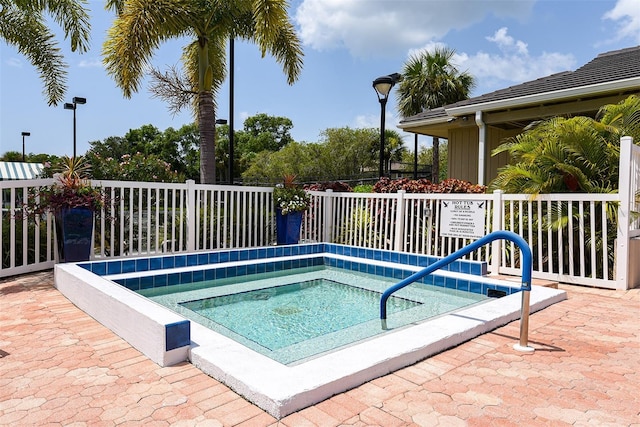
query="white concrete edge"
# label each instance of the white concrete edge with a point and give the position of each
(281, 390)
(277, 388)
(136, 319)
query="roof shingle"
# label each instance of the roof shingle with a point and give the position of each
(607, 67)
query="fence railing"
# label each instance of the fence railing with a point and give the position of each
(141, 218)
(572, 235)
(575, 238)
(26, 244)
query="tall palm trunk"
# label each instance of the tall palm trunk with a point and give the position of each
(435, 168)
(206, 121)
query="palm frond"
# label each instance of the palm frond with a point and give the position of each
(23, 26)
(137, 33)
(267, 23)
(42, 51)
(73, 18)
(622, 119)
(431, 80)
(172, 87)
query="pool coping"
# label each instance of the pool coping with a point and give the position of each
(282, 390)
(146, 325)
(276, 388)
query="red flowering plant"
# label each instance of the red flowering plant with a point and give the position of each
(71, 189)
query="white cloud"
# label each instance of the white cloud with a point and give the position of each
(429, 47)
(514, 63)
(376, 28)
(14, 62)
(369, 121)
(507, 43)
(627, 14)
(91, 63)
(373, 121)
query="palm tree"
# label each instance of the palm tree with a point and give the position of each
(430, 80)
(23, 25)
(142, 25)
(394, 148)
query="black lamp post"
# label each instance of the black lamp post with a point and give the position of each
(231, 95)
(23, 135)
(72, 106)
(383, 86)
(222, 122)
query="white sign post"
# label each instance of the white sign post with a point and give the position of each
(463, 218)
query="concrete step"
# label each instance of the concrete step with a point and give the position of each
(536, 282)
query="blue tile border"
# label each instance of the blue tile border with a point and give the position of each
(182, 260)
(155, 263)
(177, 335)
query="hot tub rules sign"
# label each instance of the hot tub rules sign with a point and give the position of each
(462, 218)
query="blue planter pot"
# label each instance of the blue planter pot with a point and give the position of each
(288, 227)
(74, 229)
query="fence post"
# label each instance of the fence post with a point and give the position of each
(398, 244)
(191, 215)
(624, 207)
(327, 217)
(496, 225)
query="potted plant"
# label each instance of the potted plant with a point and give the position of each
(73, 202)
(290, 202)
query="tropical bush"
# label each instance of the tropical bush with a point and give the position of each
(363, 188)
(136, 167)
(565, 155)
(451, 185)
(336, 186)
(71, 189)
(288, 197)
(577, 154)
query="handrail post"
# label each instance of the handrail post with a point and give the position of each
(523, 345)
(527, 269)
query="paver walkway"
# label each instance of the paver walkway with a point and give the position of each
(58, 366)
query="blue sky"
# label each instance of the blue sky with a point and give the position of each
(347, 44)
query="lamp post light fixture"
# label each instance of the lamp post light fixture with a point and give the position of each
(72, 106)
(383, 86)
(23, 135)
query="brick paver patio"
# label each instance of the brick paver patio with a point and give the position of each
(58, 366)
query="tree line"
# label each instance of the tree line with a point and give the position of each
(264, 151)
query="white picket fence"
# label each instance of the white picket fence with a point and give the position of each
(142, 218)
(592, 247)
